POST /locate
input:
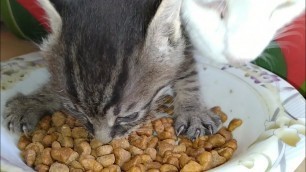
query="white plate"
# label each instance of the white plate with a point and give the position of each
(267, 104)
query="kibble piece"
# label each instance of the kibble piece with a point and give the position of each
(70, 121)
(79, 132)
(131, 163)
(208, 146)
(46, 157)
(225, 133)
(65, 155)
(76, 164)
(79, 140)
(86, 156)
(94, 143)
(173, 161)
(104, 150)
(58, 167)
(192, 166)
(48, 139)
(179, 148)
(216, 140)
(65, 130)
(184, 159)
(163, 147)
(153, 142)
(167, 168)
(145, 158)
(38, 135)
(217, 159)
(65, 141)
(58, 119)
(231, 144)
(158, 126)
(55, 145)
(184, 140)
(141, 142)
(153, 170)
(227, 153)
(152, 165)
(36, 146)
(121, 156)
(114, 168)
(42, 168)
(217, 110)
(71, 169)
(135, 150)
(145, 131)
(45, 122)
(234, 124)
(91, 164)
(122, 142)
(194, 152)
(205, 159)
(29, 157)
(151, 152)
(170, 141)
(134, 169)
(106, 160)
(83, 148)
(23, 142)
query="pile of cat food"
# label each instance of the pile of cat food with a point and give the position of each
(61, 144)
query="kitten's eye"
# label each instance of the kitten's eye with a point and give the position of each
(129, 118)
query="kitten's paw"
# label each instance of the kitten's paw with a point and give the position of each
(21, 116)
(195, 124)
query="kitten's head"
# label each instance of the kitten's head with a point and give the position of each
(236, 31)
(111, 60)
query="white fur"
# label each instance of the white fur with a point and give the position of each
(245, 31)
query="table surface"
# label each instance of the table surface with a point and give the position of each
(12, 46)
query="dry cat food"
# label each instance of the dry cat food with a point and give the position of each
(61, 144)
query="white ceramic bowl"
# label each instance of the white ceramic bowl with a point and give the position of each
(273, 113)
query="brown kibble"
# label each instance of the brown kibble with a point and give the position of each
(79, 140)
(216, 140)
(36, 146)
(76, 164)
(46, 157)
(70, 121)
(208, 146)
(158, 126)
(205, 159)
(91, 164)
(217, 159)
(170, 141)
(227, 153)
(122, 142)
(55, 145)
(42, 168)
(145, 158)
(152, 165)
(135, 150)
(153, 142)
(192, 166)
(159, 158)
(121, 156)
(163, 147)
(51, 130)
(71, 169)
(49, 139)
(135, 169)
(184, 159)
(184, 140)
(23, 142)
(141, 143)
(94, 143)
(225, 133)
(65, 141)
(38, 135)
(194, 152)
(179, 148)
(145, 131)
(86, 156)
(29, 157)
(114, 168)
(79, 132)
(217, 110)
(45, 122)
(173, 161)
(58, 167)
(65, 155)
(131, 163)
(167, 168)
(165, 135)
(106, 160)
(151, 152)
(65, 130)
(58, 119)
(153, 170)
(83, 148)
(231, 144)
(234, 124)
(104, 150)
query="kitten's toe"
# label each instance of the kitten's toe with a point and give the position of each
(197, 124)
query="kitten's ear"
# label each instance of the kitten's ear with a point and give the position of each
(287, 11)
(51, 9)
(166, 22)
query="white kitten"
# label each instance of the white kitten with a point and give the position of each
(236, 31)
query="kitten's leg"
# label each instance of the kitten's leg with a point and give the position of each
(193, 118)
(22, 112)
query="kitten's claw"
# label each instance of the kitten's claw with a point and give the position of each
(197, 133)
(180, 130)
(10, 126)
(25, 130)
(210, 129)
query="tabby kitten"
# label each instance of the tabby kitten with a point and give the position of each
(109, 63)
